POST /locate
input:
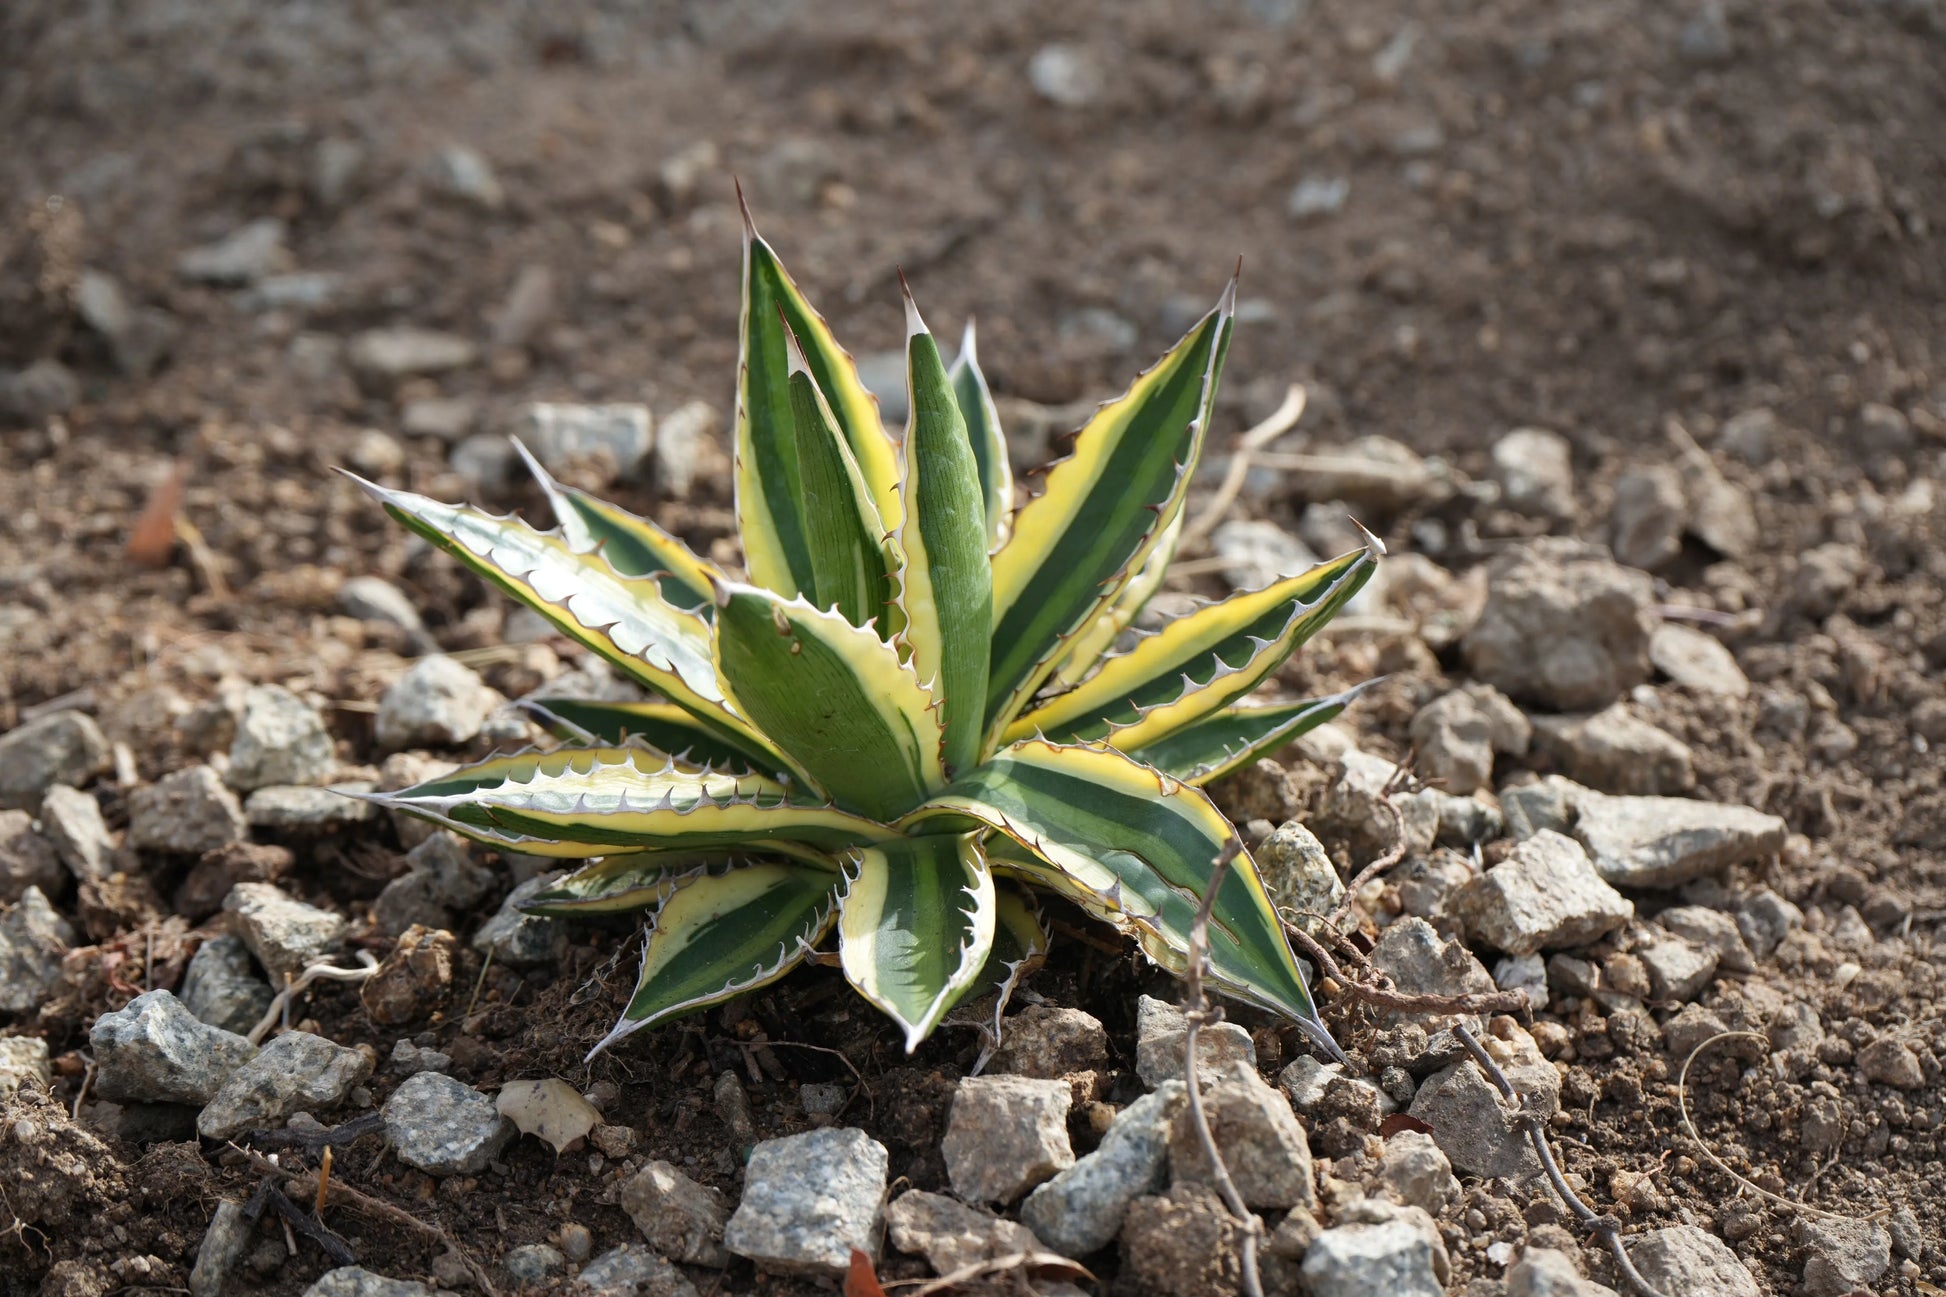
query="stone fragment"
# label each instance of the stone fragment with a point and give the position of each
(533, 1264)
(73, 822)
(808, 1200)
(1535, 470)
(355, 1281)
(1546, 895)
(24, 1062)
(444, 1126)
(1425, 883)
(632, 1270)
(445, 418)
(1678, 969)
(1159, 1032)
(284, 933)
(1474, 1127)
(681, 1219)
(1360, 806)
(1182, 1241)
(1564, 626)
(1844, 1256)
(1006, 1134)
(560, 435)
(686, 448)
(33, 940)
(1080, 1210)
(296, 1072)
(409, 1059)
(382, 358)
(138, 336)
(1684, 1261)
(374, 599)
(519, 940)
(1697, 661)
(403, 770)
(1689, 1027)
(1298, 873)
(1066, 75)
(1323, 1093)
(222, 987)
(1393, 1257)
(1721, 513)
(1457, 734)
(1648, 516)
(1713, 930)
(297, 811)
(1374, 472)
(1255, 1130)
(1416, 1173)
(1891, 1061)
(1256, 553)
(1048, 1041)
(440, 884)
(211, 879)
(153, 1050)
(27, 859)
(1545, 804)
(65, 747)
(461, 172)
(950, 1234)
(414, 980)
(1545, 1272)
(1421, 962)
(1765, 919)
(1667, 841)
(186, 813)
(222, 1249)
(280, 739)
(1615, 752)
(437, 703)
(239, 258)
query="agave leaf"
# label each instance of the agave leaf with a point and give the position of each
(1240, 733)
(626, 798)
(625, 621)
(1084, 651)
(664, 727)
(1019, 946)
(847, 562)
(614, 885)
(946, 586)
(634, 547)
(1104, 510)
(1200, 663)
(833, 692)
(769, 487)
(915, 924)
(719, 935)
(983, 433)
(1137, 849)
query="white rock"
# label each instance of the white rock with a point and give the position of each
(1697, 661)
(153, 1050)
(33, 939)
(560, 434)
(808, 1200)
(284, 933)
(1535, 470)
(437, 702)
(1080, 1210)
(1684, 1261)
(1005, 1135)
(444, 1126)
(1159, 1032)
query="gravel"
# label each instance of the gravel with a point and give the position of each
(1545, 1272)
(354, 1281)
(1643, 842)
(1080, 1210)
(223, 988)
(1684, 1261)
(808, 1200)
(59, 748)
(438, 702)
(1615, 752)
(239, 258)
(72, 821)
(1459, 733)
(443, 1126)
(519, 940)
(27, 858)
(1159, 1031)
(632, 1270)
(1473, 1125)
(185, 813)
(280, 739)
(1647, 520)
(680, 1218)
(950, 1234)
(222, 1249)
(561, 435)
(296, 1072)
(1535, 470)
(153, 1050)
(1391, 1257)
(24, 1061)
(1005, 1135)
(1049, 1041)
(1545, 896)
(284, 933)
(1697, 661)
(33, 939)
(382, 358)
(1256, 1132)
(1416, 1173)
(1564, 626)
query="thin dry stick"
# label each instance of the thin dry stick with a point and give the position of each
(1195, 1014)
(1689, 1128)
(1383, 997)
(1607, 1228)
(1281, 421)
(316, 972)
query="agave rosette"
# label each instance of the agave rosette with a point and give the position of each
(905, 720)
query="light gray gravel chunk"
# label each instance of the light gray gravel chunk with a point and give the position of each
(1713, 930)
(1614, 751)
(1421, 962)
(1844, 1256)
(1255, 1130)
(296, 809)
(241, 257)
(296, 1072)
(523, 940)
(1298, 873)
(59, 748)
(27, 858)
(280, 739)
(223, 988)
(1678, 969)
(808, 1200)
(444, 1126)
(284, 933)
(1545, 895)
(382, 357)
(1358, 1260)
(950, 1234)
(632, 1270)
(680, 1218)
(371, 598)
(1475, 1128)
(438, 702)
(1765, 919)
(1564, 626)
(1667, 841)
(1080, 1210)
(1535, 470)
(73, 823)
(1891, 1061)
(1684, 1261)
(1647, 519)
(533, 1263)
(33, 938)
(185, 814)
(1544, 1272)
(1049, 1041)
(355, 1281)
(1697, 661)
(153, 1050)
(1006, 1134)
(1159, 1031)
(1416, 1173)
(222, 1249)
(441, 882)
(560, 434)
(24, 1061)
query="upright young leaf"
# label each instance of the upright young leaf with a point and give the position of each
(834, 694)
(1102, 511)
(847, 564)
(634, 547)
(947, 583)
(915, 924)
(719, 935)
(989, 443)
(768, 481)
(1200, 663)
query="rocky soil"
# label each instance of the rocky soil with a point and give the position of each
(1619, 326)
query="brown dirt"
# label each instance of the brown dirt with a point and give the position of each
(1556, 218)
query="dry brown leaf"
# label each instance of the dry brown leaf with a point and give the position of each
(549, 1110)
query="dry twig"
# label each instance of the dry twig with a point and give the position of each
(280, 1005)
(1281, 421)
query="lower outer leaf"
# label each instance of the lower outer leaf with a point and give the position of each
(663, 726)
(719, 935)
(1019, 945)
(915, 926)
(1222, 741)
(1136, 848)
(642, 879)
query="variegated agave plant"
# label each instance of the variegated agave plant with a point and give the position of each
(904, 720)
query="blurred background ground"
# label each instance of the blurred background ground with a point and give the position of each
(1598, 219)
